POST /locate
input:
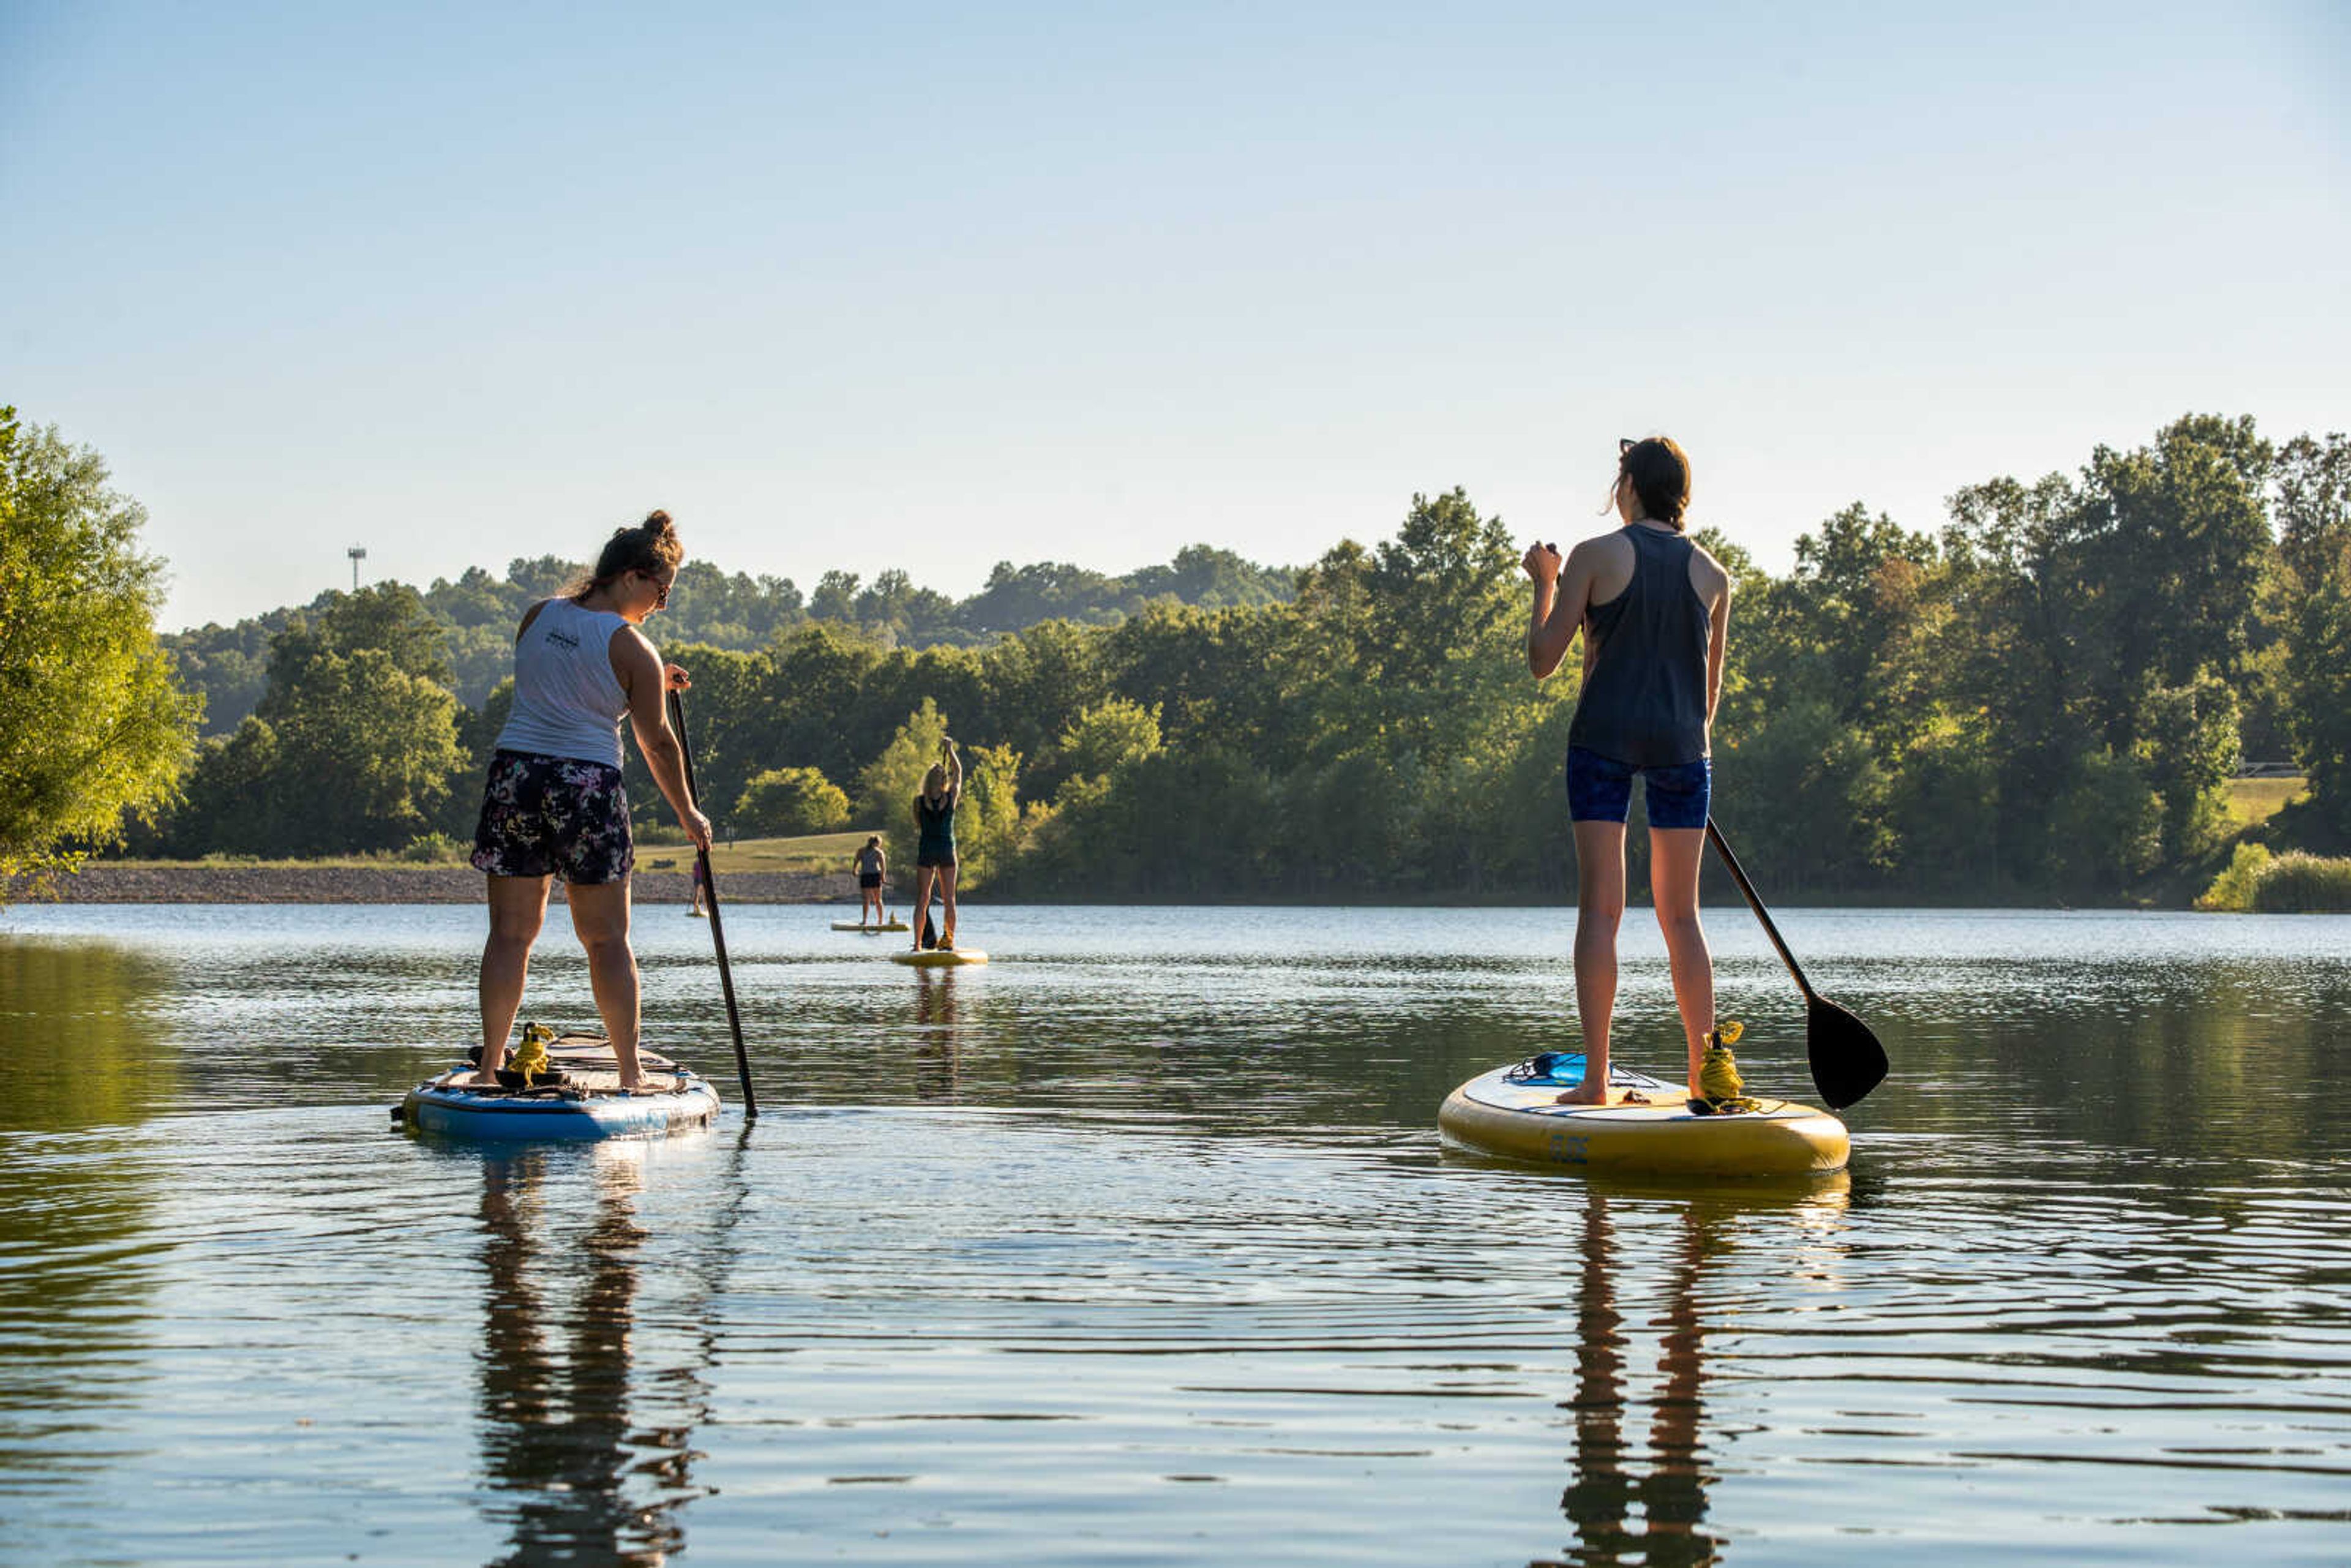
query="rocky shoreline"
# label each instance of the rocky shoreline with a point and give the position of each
(102, 882)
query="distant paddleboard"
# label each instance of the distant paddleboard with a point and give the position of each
(941, 958)
(1509, 1113)
(853, 926)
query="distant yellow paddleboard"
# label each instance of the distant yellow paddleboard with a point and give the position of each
(940, 959)
(1524, 1121)
(853, 926)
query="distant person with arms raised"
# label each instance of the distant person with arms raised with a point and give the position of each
(553, 804)
(935, 848)
(1654, 609)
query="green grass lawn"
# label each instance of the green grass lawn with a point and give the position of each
(817, 852)
(2252, 801)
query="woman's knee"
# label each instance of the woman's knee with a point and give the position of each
(1681, 926)
(1600, 911)
(513, 938)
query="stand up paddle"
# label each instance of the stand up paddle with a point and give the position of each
(717, 926)
(1846, 1059)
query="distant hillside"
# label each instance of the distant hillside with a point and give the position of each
(229, 663)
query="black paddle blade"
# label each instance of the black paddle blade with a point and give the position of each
(1847, 1062)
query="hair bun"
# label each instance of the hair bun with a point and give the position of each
(657, 524)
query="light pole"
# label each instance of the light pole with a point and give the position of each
(357, 554)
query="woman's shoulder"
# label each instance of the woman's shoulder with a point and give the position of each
(1707, 573)
(1603, 551)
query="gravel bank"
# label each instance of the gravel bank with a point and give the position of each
(100, 882)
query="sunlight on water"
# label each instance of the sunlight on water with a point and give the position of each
(1139, 1246)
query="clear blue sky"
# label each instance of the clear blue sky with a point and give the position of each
(935, 287)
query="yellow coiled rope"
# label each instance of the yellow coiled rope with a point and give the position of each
(1720, 1088)
(529, 1058)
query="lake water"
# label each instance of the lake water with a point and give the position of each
(1138, 1246)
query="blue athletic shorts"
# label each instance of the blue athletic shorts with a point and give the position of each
(1600, 790)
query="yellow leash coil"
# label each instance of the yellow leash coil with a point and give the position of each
(1720, 1088)
(530, 1056)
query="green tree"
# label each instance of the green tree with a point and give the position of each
(367, 753)
(1108, 737)
(2313, 512)
(2188, 749)
(789, 802)
(988, 824)
(234, 803)
(92, 725)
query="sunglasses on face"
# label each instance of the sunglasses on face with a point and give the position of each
(661, 588)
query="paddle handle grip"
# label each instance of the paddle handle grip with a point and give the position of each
(1739, 874)
(717, 922)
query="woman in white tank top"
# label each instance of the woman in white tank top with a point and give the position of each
(553, 804)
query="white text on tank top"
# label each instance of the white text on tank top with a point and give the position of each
(567, 702)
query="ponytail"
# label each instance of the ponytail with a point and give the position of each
(1661, 477)
(652, 545)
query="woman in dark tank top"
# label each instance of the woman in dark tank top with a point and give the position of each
(1653, 609)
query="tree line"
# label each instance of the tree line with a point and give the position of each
(229, 665)
(2041, 699)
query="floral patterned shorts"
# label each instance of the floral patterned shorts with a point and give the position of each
(555, 816)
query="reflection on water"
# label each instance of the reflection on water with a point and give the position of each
(1139, 1244)
(1653, 1511)
(572, 1474)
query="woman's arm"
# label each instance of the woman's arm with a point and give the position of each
(1550, 627)
(645, 680)
(1717, 638)
(954, 767)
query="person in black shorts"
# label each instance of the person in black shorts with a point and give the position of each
(935, 850)
(872, 868)
(1653, 611)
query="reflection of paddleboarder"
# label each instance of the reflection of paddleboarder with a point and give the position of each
(1672, 1495)
(573, 1487)
(937, 1053)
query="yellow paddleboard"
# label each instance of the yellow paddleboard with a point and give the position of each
(1524, 1121)
(941, 957)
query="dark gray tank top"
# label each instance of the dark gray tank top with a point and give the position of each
(1645, 703)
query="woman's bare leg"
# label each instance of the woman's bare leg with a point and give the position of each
(923, 876)
(1674, 857)
(1599, 908)
(600, 918)
(517, 906)
(946, 890)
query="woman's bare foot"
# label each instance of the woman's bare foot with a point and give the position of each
(479, 1081)
(1585, 1093)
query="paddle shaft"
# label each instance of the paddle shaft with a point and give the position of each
(717, 924)
(1722, 847)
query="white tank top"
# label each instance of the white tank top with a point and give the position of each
(567, 701)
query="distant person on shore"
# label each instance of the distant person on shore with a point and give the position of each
(935, 850)
(553, 804)
(1654, 609)
(701, 887)
(872, 867)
